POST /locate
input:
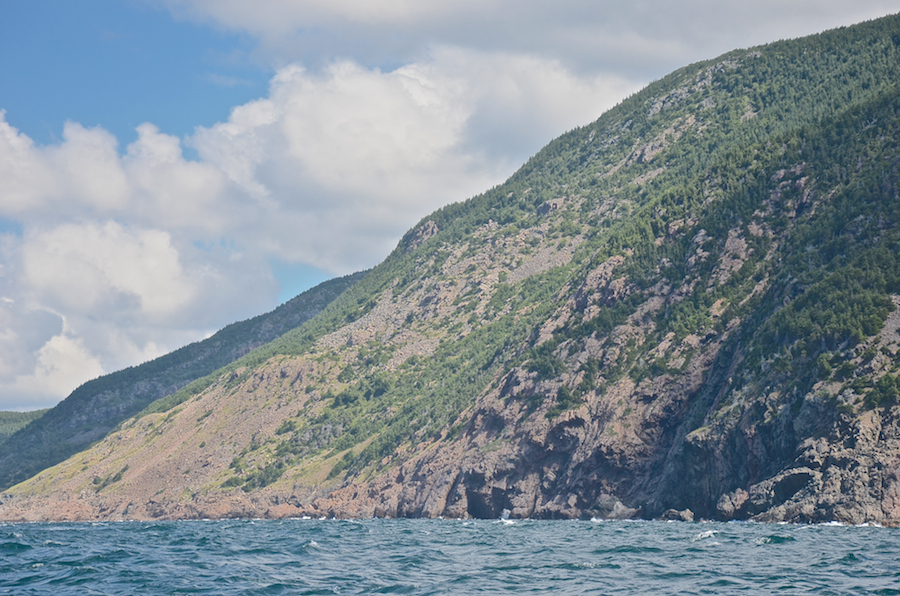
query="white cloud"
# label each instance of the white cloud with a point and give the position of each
(140, 252)
(343, 161)
(86, 298)
(171, 192)
(62, 364)
(380, 112)
(26, 179)
(22, 334)
(373, 133)
(89, 268)
(87, 167)
(520, 102)
(82, 173)
(121, 258)
(637, 38)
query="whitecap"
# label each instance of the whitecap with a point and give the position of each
(706, 534)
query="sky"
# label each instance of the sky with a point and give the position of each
(168, 167)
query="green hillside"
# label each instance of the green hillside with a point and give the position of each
(820, 108)
(687, 307)
(10, 422)
(96, 407)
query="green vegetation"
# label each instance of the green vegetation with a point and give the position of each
(776, 159)
(101, 483)
(750, 200)
(98, 406)
(11, 422)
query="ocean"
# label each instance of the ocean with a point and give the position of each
(446, 557)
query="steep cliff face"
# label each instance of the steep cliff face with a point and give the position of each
(686, 308)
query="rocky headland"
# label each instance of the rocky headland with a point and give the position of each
(686, 309)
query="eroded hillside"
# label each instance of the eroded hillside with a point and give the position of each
(685, 308)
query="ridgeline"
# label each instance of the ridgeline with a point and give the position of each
(686, 308)
(97, 407)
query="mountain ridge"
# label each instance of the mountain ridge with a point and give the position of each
(95, 408)
(687, 307)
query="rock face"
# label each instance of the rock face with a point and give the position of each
(687, 309)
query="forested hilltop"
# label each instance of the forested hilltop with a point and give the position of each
(686, 308)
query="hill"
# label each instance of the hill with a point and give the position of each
(687, 307)
(10, 422)
(97, 407)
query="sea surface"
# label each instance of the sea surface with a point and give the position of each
(446, 557)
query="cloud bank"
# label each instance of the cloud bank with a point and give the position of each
(641, 39)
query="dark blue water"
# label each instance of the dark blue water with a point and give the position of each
(446, 557)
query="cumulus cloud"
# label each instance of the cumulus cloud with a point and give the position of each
(342, 161)
(88, 169)
(61, 363)
(379, 112)
(87, 268)
(644, 38)
(125, 255)
(173, 193)
(26, 178)
(78, 300)
(114, 259)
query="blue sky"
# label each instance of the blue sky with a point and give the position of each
(170, 166)
(117, 64)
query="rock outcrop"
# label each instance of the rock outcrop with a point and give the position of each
(685, 310)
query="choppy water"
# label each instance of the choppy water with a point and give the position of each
(446, 557)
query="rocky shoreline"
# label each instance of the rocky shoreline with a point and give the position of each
(829, 482)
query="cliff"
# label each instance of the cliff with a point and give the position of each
(686, 308)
